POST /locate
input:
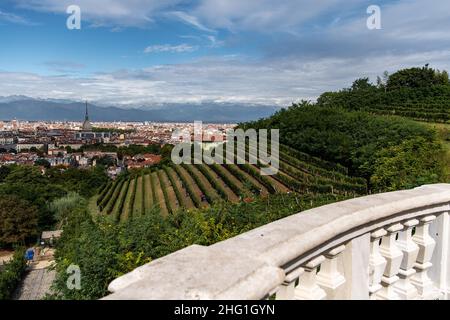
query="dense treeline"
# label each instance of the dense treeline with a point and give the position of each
(130, 150)
(25, 194)
(358, 140)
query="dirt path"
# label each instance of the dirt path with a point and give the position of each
(35, 285)
(5, 256)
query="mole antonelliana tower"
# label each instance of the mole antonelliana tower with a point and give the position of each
(87, 124)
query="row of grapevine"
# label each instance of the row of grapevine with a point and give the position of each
(138, 204)
(113, 196)
(206, 191)
(164, 187)
(127, 209)
(227, 178)
(213, 181)
(117, 212)
(178, 194)
(187, 186)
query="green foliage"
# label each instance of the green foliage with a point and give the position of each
(213, 181)
(153, 186)
(42, 162)
(413, 162)
(4, 172)
(225, 178)
(207, 192)
(104, 250)
(238, 174)
(85, 182)
(113, 130)
(256, 174)
(178, 194)
(29, 184)
(187, 186)
(105, 161)
(11, 274)
(417, 93)
(417, 78)
(352, 139)
(121, 200)
(18, 220)
(164, 190)
(362, 84)
(64, 206)
(130, 150)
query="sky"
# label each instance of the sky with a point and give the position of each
(146, 53)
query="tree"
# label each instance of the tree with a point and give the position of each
(4, 172)
(63, 207)
(362, 84)
(42, 162)
(18, 220)
(417, 78)
(105, 161)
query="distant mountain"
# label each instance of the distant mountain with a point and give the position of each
(24, 108)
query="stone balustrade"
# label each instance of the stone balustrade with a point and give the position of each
(386, 246)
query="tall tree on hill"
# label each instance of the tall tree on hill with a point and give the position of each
(417, 78)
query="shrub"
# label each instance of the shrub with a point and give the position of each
(11, 274)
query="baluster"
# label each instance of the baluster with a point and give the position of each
(426, 244)
(440, 272)
(393, 256)
(377, 263)
(329, 277)
(410, 250)
(287, 289)
(308, 288)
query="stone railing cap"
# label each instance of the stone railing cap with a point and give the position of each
(250, 265)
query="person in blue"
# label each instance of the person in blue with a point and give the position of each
(29, 254)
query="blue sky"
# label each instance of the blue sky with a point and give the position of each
(152, 52)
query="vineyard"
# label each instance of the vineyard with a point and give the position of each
(174, 187)
(419, 110)
(429, 104)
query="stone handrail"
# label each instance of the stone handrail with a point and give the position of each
(385, 246)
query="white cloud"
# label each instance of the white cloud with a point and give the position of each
(14, 18)
(293, 66)
(191, 20)
(264, 15)
(107, 12)
(180, 48)
(216, 80)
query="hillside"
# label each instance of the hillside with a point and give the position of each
(417, 93)
(391, 153)
(174, 188)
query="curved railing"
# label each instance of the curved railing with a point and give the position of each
(386, 246)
